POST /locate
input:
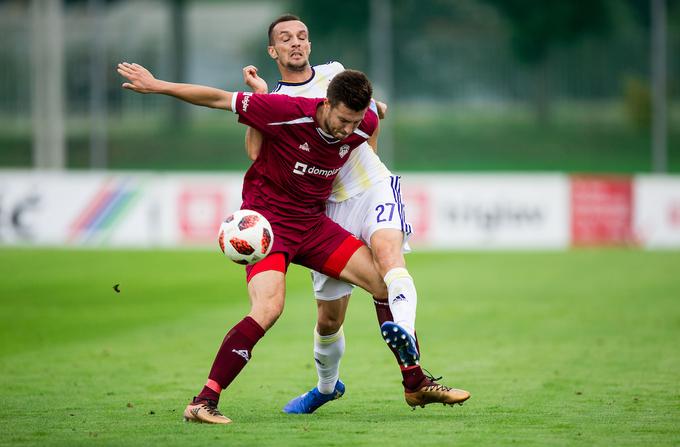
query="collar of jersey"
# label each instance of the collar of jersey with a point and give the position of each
(326, 137)
(298, 83)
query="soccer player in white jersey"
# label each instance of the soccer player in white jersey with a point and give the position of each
(366, 200)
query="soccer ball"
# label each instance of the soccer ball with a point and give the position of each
(246, 237)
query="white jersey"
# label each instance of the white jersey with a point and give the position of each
(363, 169)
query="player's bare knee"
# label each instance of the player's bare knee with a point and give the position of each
(329, 324)
(266, 314)
(328, 327)
(266, 302)
(331, 315)
(386, 246)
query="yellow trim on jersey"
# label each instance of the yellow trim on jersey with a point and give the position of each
(364, 178)
(339, 192)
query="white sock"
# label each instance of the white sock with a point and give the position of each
(403, 298)
(328, 350)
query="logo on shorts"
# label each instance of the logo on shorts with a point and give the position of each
(343, 150)
(242, 352)
(304, 146)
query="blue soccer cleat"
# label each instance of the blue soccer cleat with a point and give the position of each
(397, 337)
(311, 400)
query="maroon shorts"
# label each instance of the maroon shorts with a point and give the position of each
(319, 244)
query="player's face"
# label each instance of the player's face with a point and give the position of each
(291, 47)
(340, 121)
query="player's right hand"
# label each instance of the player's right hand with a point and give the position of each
(252, 80)
(141, 79)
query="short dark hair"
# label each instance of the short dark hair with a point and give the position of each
(283, 18)
(352, 88)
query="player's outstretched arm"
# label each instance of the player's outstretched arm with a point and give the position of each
(142, 81)
(253, 136)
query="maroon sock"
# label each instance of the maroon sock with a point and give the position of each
(232, 357)
(383, 312)
(413, 375)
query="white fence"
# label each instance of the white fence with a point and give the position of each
(447, 211)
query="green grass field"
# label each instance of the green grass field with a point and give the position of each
(575, 348)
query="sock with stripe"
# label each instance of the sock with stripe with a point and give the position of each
(232, 357)
(328, 350)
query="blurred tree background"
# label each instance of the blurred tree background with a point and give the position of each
(477, 85)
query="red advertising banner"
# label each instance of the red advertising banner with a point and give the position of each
(201, 209)
(601, 211)
(418, 213)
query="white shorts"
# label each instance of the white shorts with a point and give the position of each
(378, 207)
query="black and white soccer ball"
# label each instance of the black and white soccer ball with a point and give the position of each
(246, 237)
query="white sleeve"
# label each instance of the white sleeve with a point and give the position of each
(337, 67)
(233, 102)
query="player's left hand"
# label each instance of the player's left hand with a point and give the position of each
(382, 109)
(256, 83)
(141, 79)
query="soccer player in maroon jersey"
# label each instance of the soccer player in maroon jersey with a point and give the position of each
(305, 144)
(364, 187)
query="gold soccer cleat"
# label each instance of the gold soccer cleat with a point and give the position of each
(204, 411)
(432, 392)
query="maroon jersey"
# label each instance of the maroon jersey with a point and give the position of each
(294, 172)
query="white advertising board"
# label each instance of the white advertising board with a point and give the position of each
(488, 211)
(657, 211)
(447, 211)
(104, 209)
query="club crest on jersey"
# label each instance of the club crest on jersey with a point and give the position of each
(304, 146)
(343, 150)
